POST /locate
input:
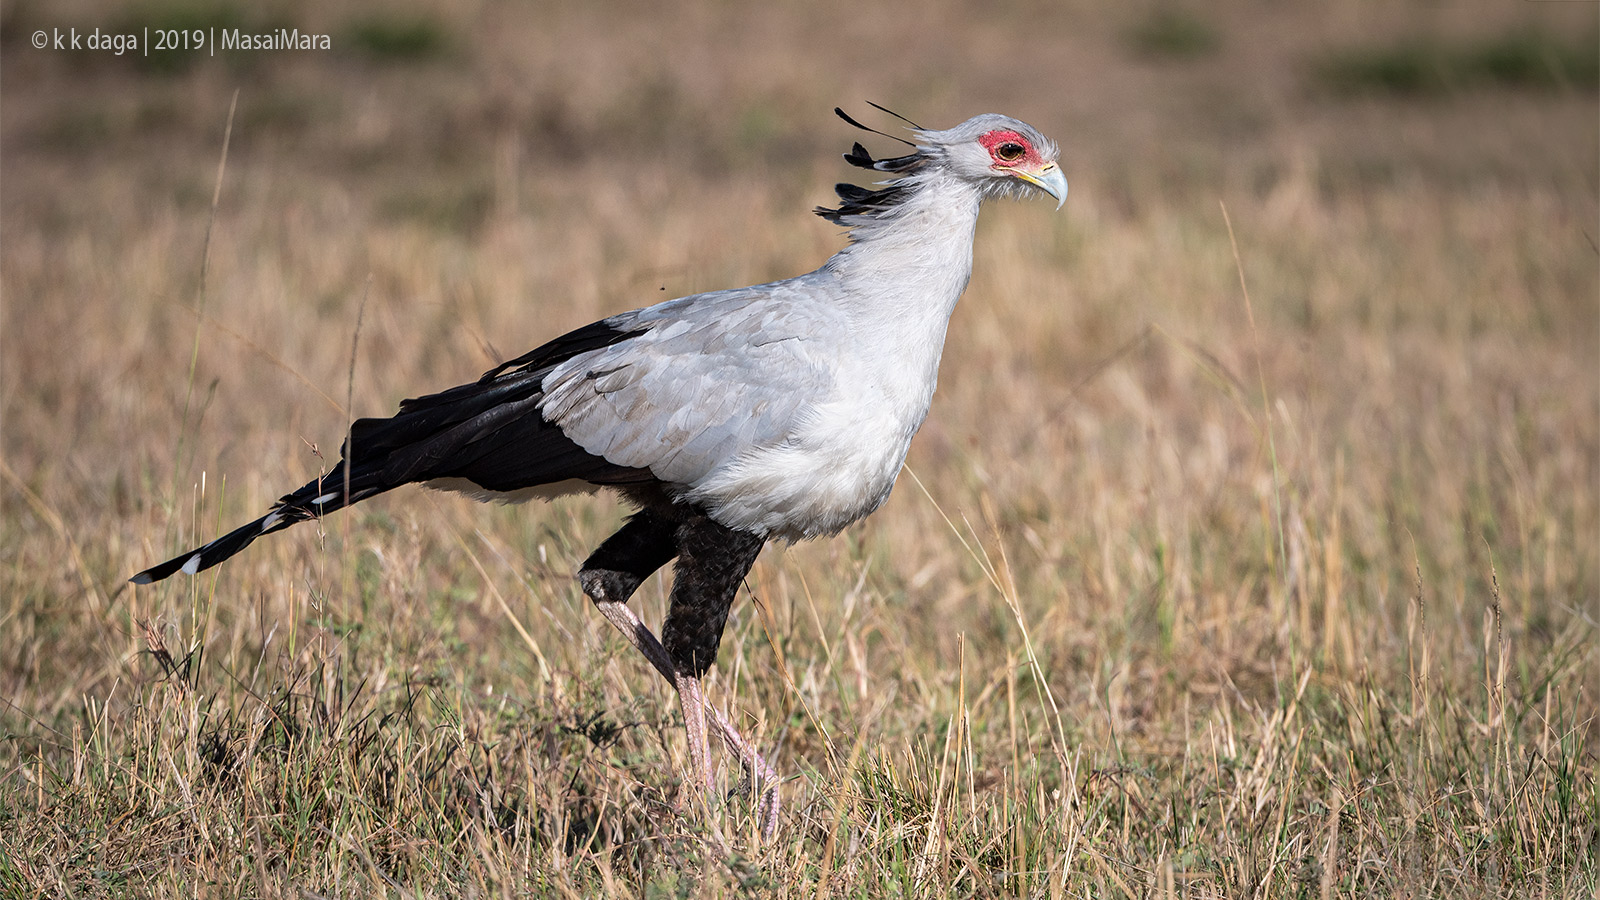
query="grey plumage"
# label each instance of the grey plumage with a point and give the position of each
(708, 376)
(779, 411)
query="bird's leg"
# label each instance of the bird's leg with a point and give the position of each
(616, 569)
(693, 701)
(609, 577)
(712, 561)
(762, 776)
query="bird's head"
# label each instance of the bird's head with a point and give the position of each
(1001, 154)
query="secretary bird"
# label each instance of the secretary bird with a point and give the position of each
(781, 411)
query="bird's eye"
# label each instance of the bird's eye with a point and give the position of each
(1009, 152)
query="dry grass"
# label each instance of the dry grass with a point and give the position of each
(1178, 603)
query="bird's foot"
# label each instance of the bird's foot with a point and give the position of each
(760, 778)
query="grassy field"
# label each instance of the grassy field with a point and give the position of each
(1252, 548)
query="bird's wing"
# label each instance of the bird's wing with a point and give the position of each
(488, 431)
(711, 377)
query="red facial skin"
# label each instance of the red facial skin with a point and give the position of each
(994, 140)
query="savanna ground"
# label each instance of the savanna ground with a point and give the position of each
(1182, 594)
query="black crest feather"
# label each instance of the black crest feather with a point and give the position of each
(885, 109)
(846, 116)
(860, 201)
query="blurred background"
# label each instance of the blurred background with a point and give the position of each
(1186, 495)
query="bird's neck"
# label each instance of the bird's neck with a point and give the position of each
(900, 279)
(911, 263)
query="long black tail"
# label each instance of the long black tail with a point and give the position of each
(490, 433)
(316, 499)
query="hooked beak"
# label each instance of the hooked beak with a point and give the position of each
(1048, 179)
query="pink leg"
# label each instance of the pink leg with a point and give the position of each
(763, 778)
